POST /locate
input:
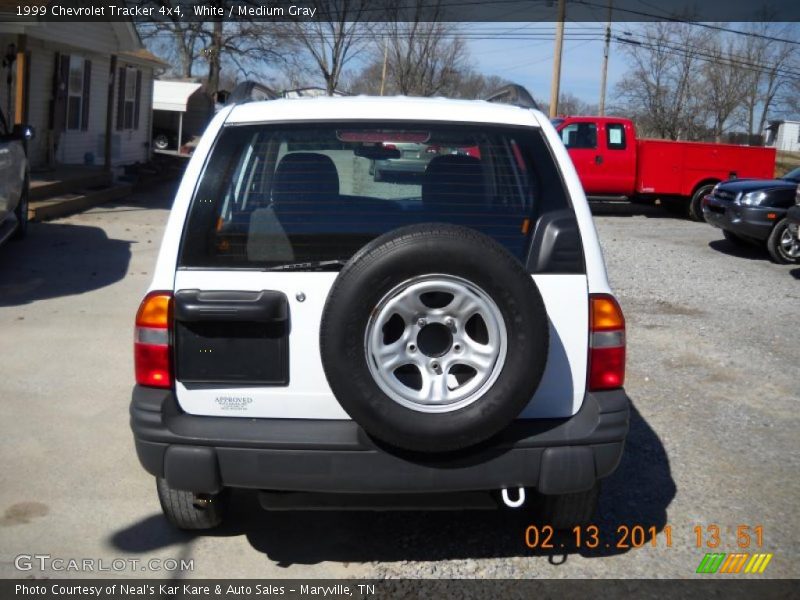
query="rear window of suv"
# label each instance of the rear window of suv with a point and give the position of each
(273, 195)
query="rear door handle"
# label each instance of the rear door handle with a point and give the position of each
(266, 306)
(598, 160)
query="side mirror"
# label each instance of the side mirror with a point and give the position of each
(23, 132)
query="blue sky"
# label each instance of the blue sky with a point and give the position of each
(530, 62)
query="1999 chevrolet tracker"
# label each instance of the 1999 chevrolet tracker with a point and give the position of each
(321, 336)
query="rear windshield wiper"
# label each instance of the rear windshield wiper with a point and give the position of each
(316, 265)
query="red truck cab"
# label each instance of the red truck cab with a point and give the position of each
(603, 151)
(612, 161)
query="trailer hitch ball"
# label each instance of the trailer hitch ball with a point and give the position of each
(520, 500)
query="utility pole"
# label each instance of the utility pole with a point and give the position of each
(554, 84)
(385, 60)
(604, 74)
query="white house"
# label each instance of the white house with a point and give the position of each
(784, 135)
(86, 88)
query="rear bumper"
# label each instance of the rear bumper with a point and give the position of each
(205, 454)
(747, 221)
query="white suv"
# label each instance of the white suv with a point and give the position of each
(310, 329)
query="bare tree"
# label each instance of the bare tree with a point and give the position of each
(723, 81)
(466, 83)
(791, 97)
(474, 85)
(570, 104)
(243, 46)
(174, 37)
(662, 86)
(763, 57)
(332, 42)
(424, 58)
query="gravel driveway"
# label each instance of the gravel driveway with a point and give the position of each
(713, 334)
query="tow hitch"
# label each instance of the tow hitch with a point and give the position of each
(513, 503)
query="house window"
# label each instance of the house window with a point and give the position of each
(130, 97)
(75, 93)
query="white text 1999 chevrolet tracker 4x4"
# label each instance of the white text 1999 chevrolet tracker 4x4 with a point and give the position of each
(314, 328)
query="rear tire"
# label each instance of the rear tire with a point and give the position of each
(189, 511)
(565, 511)
(782, 247)
(21, 212)
(696, 203)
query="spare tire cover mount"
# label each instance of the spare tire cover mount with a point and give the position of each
(433, 337)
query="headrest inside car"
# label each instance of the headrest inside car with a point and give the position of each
(454, 179)
(305, 177)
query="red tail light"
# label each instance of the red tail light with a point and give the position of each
(606, 343)
(151, 346)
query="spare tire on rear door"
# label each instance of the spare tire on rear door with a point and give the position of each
(434, 338)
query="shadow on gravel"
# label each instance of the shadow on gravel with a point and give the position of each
(154, 197)
(637, 494)
(795, 273)
(749, 252)
(59, 259)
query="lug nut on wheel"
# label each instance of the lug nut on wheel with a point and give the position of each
(421, 322)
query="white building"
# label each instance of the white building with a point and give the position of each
(86, 88)
(784, 135)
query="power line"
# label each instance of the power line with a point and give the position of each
(694, 23)
(705, 57)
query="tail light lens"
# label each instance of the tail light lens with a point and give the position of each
(606, 343)
(151, 345)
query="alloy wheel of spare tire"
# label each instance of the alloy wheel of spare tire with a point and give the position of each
(434, 338)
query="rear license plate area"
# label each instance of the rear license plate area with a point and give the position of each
(232, 352)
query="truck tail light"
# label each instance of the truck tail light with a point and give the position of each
(152, 336)
(606, 343)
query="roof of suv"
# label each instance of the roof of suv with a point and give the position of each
(383, 108)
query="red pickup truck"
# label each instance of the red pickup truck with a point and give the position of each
(612, 162)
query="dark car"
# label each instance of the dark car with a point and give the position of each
(754, 211)
(793, 216)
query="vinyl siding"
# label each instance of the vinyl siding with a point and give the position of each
(75, 146)
(86, 147)
(128, 145)
(787, 136)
